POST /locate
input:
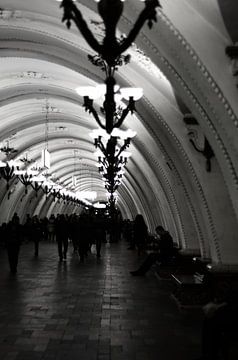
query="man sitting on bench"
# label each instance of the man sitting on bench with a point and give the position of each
(164, 254)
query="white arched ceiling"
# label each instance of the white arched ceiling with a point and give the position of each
(183, 68)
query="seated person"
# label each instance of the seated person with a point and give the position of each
(164, 253)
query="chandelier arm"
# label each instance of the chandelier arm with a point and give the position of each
(149, 13)
(35, 186)
(102, 148)
(121, 150)
(96, 117)
(25, 179)
(124, 114)
(71, 12)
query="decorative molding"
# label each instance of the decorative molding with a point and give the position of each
(32, 75)
(7, 14)
(198, 139)
(230, 113)
(188, 163)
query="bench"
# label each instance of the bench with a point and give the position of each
(179, 264)
(189, 290)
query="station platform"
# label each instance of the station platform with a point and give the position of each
(94, 310)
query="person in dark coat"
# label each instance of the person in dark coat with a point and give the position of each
(140, 233)
(13, 242)
(62, 237)
(36, 234)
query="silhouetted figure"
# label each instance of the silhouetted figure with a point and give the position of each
(140, 233)
(13, 242)
(164, 253)
(99, 234)
(127, 230)
(3, 234)
(27, 228)
(61, 229)
(36, 234)
(74, 231)
(86, 234)
(51, 228)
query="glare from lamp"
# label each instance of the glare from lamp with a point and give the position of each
(39, 178)
(126, 154)
(89, 195)
(135, 93)
(98, 153)
(2, 164)
(102, 89)
(99, 205)
(89, 91)
(127, 134)
(14, 163)
(95, 133)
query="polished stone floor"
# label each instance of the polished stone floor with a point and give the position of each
(94, 310)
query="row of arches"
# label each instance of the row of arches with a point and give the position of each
(184, 71)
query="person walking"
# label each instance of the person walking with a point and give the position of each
(62, 237)
(36, 234)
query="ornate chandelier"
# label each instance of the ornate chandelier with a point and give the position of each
(112, 157)
(109, 56)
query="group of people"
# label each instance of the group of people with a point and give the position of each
(88, 229)
(82, 230)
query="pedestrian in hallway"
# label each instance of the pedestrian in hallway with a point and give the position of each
(27, 228)
(164, 252)
(85, 237)
(140, 233)
(61, 229)
(51, 228)
(73, 231)
(36, 234)
(13, 242)
(99, 233)
(3, 234)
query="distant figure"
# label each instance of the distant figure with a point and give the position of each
(51, 228)
(140, 233)
(36, 234)
(62, 237)
(99, 234)
(163, 254)
(3, 234)
(13, 242)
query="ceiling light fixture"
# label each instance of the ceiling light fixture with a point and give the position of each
(109, 56)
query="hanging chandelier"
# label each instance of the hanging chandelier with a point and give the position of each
(109, 56)
(8, 150)
(112, 157)
(111, 49)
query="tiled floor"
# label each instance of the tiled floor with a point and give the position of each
(95, 310)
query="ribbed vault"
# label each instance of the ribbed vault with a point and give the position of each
(185, 73)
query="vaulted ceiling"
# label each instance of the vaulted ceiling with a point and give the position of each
(189, 90)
